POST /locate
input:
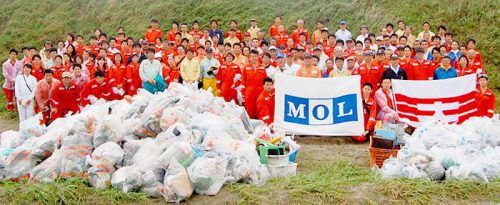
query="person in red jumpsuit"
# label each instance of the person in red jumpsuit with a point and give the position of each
(96, 89)
(153, 32)
(420, 69)
(117, 80)
(485, 98)
(253, 76)
(369, 113)
(134, 82)
(369, 72)
(229, 79)
(265, 103)
(65, 97)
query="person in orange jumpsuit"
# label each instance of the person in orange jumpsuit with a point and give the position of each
(134, 82)
(299, 30)
(117, 80)
(38, 67)
(273, 30)
(252, 78)
(171, 34)
(265, 103)
(420, 69)
(369, 72)
(172, 73)
(282, 37)
(153, 32)
(65, 97)
(485, 98)
(229, 79)
(369, 112)
(95, 89)
(381, 61)
(59, 68)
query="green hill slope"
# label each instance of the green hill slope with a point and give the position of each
(30, 22)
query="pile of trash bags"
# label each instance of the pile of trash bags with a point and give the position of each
(168, 145)
(440, 151)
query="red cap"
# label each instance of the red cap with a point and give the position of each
(247, 33)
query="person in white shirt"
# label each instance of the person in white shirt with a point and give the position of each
(363, 35)
(150, 73)
(291, 66)
(343, 33)
(25, 93)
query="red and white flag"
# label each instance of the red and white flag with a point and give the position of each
(449, 100)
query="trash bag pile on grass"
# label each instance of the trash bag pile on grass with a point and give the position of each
(440, 151)
(168, 145)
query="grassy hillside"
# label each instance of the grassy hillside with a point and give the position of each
(30, 22)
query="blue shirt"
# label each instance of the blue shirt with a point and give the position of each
(441, 73)
(217, 33)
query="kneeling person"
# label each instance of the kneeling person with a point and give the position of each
(65, 97)
(265, 103)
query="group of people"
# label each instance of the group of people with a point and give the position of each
(237, 65)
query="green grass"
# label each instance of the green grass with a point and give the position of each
(339, 182)
(70, 191)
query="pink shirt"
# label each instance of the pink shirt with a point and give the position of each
(43, 91)
(81, 80)
(10, 73)
(385, 112)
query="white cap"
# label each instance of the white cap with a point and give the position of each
(158, 55)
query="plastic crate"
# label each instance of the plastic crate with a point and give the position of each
(379, 155)
(281, 171)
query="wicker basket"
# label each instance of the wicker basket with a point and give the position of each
(379, 155)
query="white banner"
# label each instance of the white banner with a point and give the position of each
(319, 106)
(450, 100)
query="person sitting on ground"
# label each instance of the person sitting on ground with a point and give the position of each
(369, 112)
(385, 104)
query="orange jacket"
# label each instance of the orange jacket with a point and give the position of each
(152, 34)
(420, 70)
(371, 75)
(37, 72)
(58, 71)
(273, 30)
(62, 97)
(485, 102)
(281, 39)
(265, 107)
(296, 35)
(226, 81)
(98, 90)
(171, 34)
(117, 75)
(133, 79)
(198, 33)
(370, 113)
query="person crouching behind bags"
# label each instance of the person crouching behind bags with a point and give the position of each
(209, 68)
(151, 73)
(96, 89)
(65, 97)
(25, 86)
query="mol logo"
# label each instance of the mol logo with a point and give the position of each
(320, 111)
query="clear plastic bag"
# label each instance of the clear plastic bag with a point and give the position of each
(31, 128)
(10, 139)
(109, 129)
(180, 151)
(75, 148)
(109, 154)
(130, 148)
(127, 179)
(177, 186)
(20, 161)
(208, 173)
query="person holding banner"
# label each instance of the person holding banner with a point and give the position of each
(309, 70)
(369, 112)
(395, 71)
(385, 103)
(445, 71)
(265, 103)
(485, 98)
